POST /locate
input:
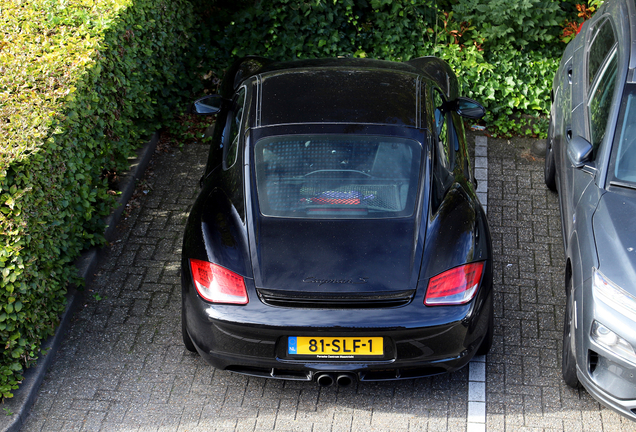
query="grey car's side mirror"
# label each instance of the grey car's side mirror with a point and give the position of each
(208, 105)
(579, 151)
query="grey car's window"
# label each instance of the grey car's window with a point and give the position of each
(231, 141)
(337, 176)
(601, 100)
(601, 44)
(623, 162)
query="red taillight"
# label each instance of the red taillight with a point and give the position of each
(217, 284)
(455, 286)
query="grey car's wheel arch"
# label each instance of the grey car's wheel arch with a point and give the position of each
(549, 169)
(568, 275)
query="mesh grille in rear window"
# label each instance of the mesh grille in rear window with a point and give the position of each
(337, 176)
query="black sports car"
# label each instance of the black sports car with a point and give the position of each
(337, 236)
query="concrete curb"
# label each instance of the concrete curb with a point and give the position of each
(24, 397)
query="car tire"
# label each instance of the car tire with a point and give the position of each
(568, 360)
(486, 343)
(549, 171)
(187, 340)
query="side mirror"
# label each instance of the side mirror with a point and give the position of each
(207, 105)
(469, 108)
(579, 151)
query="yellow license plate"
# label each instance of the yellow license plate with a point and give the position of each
(341, 347)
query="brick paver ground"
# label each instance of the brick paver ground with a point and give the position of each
(123, 367)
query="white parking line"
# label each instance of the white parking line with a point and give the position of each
(477, 367)
(481, 170)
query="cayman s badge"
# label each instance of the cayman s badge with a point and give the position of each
(311, 279)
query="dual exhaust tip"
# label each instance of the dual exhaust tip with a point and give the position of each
(342, 379)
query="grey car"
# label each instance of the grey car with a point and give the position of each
(591, 162)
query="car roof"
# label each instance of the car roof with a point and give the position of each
(340, 94)
(340, 90)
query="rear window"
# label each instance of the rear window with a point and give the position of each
(337, 176)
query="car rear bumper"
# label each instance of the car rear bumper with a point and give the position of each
(418, 340)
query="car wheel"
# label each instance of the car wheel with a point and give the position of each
(486, 344)
(187, 340)
(549, 171)
(568, 361)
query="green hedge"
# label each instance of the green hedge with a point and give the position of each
(82, 84)
(504, 52)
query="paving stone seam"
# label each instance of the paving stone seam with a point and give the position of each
(24, 397)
